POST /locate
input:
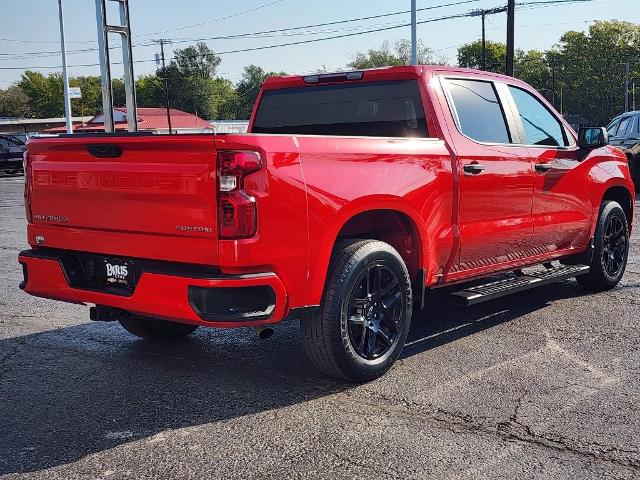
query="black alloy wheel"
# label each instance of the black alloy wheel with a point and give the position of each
(374, 312)
(614, 249)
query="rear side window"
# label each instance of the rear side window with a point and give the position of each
(479, 114)
(379, 109)
(540, 126)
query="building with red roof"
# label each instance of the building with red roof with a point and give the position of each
(150, 119)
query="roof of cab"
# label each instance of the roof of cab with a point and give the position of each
(383, 73)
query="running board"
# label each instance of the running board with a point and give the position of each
(488, 291)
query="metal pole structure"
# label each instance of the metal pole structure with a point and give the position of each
(633, 95)
(127, 60)
(105, 66)
(484, 44)
(65, 75)
(553, 85)
(414, 34)
(166, 86)
(124, 30)
(626, 87)
(511, 7)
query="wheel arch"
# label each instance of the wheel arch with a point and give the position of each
(622, 195)
(389, 221)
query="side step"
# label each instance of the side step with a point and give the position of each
(488, 291)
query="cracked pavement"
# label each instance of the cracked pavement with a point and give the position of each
(543, 384)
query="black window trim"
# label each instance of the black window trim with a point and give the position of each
(512, 130)
(572, 145)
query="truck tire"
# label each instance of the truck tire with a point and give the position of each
(611, 249)
(363, 320)
(145, 327)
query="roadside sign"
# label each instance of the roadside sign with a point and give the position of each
(74, 92)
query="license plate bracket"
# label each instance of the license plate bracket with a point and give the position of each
(117, 273)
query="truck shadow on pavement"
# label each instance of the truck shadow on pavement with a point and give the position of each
(79, 390)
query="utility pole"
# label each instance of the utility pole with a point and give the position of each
(511, 7)
(65, 75)
(166, 84)
(414, 34)
(484, 43)
(483, 13)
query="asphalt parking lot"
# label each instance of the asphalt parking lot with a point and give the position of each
(542, 384)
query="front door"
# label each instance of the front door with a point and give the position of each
(561, 205)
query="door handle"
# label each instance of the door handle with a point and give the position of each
(473, 169)
(543, 167)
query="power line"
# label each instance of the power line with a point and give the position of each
(207, 22)
(302, 42)
(263, 33)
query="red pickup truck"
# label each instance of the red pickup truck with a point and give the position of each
(351, 195)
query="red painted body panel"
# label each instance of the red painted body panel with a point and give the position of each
(309, 188)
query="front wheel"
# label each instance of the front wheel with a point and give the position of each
(611, 249)
(363, 321)
(152, 328)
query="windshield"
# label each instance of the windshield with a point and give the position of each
(382, 109)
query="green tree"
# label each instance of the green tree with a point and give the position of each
(45, 93)
(248, 88)
(391, 55)
(589, 66)
(14, 102)
(470, 56)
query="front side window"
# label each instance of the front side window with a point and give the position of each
(540, 126)
(479, 113)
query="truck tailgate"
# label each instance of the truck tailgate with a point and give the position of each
(127, 191)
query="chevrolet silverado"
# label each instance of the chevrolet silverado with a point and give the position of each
(352, 195)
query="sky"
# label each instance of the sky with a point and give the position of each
(30, 35)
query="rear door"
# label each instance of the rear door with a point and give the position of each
(496, 181)
(561, 205)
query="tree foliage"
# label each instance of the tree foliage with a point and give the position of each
(398, 53)
(248, 88)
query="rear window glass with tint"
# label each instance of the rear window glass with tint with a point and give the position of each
(480, 115)
(378, 109)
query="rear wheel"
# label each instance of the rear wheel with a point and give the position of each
(363, 321)
(611, 249)
(145, 327)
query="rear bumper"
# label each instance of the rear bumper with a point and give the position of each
(168, 291)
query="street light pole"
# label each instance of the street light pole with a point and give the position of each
(65, 76)
(414, 34)
(626, 86)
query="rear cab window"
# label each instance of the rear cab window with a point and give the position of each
(378, 109)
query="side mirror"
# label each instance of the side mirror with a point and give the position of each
(592, 137)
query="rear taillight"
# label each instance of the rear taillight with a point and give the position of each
(237, 211)
(28, 184)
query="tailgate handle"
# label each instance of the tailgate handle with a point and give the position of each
(104, 150)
